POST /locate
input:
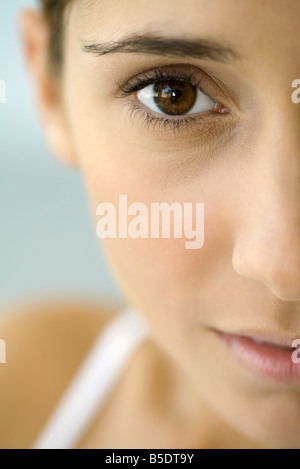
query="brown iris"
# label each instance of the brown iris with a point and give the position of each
(175, 97)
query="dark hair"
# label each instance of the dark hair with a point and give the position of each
(53, 11)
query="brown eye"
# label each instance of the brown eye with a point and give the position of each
(175, 98)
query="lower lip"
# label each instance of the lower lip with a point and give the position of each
(267, 362)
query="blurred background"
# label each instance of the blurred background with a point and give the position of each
(48, 241)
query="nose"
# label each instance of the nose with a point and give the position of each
(267, 245)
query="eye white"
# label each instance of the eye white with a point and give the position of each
(203, 103)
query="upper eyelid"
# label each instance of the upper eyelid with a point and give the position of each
(154, 75)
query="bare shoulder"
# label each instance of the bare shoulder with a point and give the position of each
(45, 344)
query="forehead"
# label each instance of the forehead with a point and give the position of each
(251, 19)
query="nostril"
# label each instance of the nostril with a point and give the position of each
(285, 284)
(279, 273)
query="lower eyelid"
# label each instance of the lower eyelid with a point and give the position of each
(185, 124)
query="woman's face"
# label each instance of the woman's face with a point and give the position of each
(239, 156)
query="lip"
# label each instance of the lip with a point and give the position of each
(267, 356)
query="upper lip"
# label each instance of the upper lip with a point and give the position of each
(268, 337)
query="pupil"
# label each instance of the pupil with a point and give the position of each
(176, 94)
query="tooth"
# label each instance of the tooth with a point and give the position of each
(260, 342)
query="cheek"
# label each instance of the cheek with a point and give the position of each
(161, 274)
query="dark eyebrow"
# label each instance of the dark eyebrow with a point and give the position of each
(164, 46)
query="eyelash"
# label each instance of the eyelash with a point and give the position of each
(162, 75)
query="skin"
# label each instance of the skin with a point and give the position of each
(244, 166)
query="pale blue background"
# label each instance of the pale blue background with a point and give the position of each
(48, 241)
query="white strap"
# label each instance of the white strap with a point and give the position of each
(93, 382)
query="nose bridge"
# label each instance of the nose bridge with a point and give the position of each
(267, 248)
(276, 168)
